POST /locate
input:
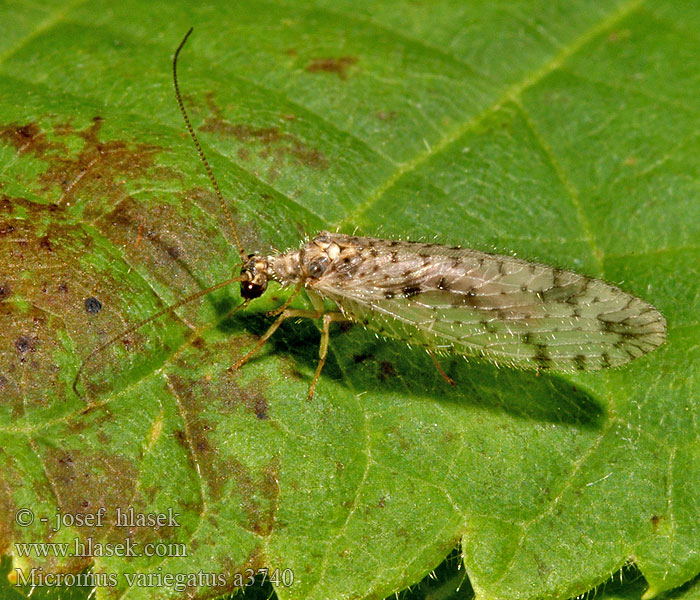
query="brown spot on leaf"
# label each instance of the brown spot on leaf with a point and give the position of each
(386, 370)
(252, 400)
(243, 153)
(45, 243)
(386, 116)
(274, 143)
(99, 170)
(338, 65)
(198, 343)
(26, 138)
(86, 480)
(6, 228)
(25, 343)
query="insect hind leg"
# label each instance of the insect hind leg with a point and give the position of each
(440, 370)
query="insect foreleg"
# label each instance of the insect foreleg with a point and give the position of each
(287, 314)
(328, 318)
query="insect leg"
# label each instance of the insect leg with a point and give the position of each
(328, 318)
(288, 313)
(445, 376)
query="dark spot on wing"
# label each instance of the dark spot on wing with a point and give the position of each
(411, 290)
(580, 362)
(442, 284)
(542, 358)
(468, 298)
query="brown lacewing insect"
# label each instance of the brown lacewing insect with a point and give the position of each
(449, 300)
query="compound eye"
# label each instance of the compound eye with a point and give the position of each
(250, 290)
(318, 266)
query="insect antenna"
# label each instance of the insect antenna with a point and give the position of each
(199, 294)
(202, 156)
(146, 321)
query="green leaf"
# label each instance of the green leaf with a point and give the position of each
(562, 132)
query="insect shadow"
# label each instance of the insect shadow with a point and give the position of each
(384, 367)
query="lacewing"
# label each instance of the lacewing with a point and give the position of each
(448, 300)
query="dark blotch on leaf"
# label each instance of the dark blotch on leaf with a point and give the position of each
(45, 243)
(276, 144)
(338, 65)
(24, 343)
(261, 409)
(387, 370)
(92, 305)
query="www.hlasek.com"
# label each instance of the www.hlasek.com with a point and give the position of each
(179, 582)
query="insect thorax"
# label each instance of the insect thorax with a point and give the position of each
(312, 261)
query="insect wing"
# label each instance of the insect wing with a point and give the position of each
(508, 310)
